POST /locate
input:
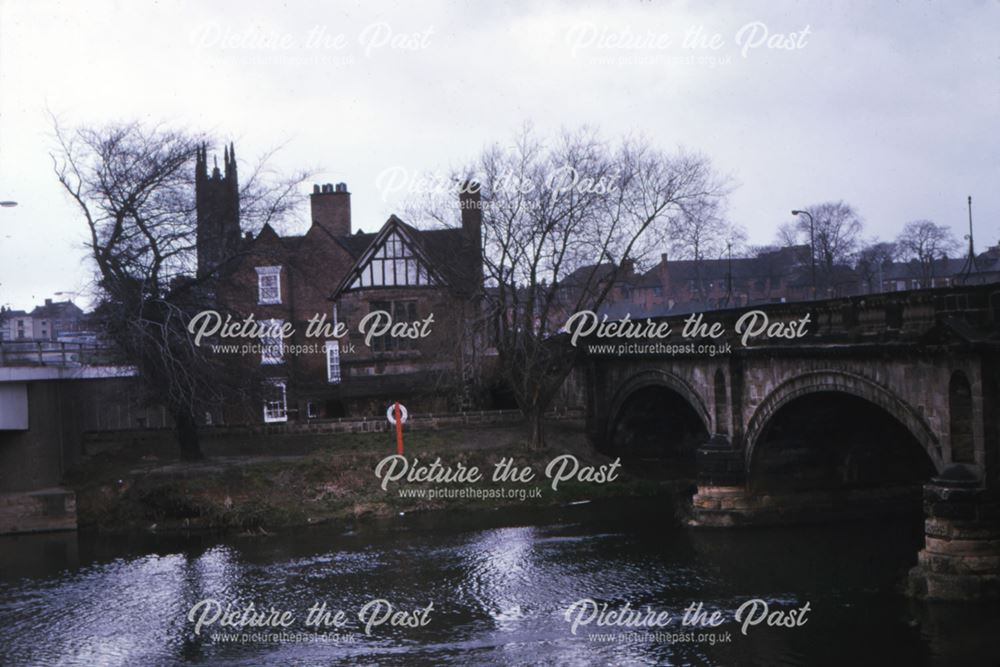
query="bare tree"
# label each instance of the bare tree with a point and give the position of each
(703, 232)
(925, 242)
(788, 234)
(835, 237)
(873, 260)
(134, 186)
(562, 221)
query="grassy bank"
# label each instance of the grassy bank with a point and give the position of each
(143, 487)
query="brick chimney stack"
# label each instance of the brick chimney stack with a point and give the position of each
(331, 208)
(470, 203)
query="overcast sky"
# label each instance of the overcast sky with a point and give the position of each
(892, 107)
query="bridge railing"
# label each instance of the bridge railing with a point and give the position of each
(56, 353)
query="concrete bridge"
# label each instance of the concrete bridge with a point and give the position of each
(45, 389)
(886, 399)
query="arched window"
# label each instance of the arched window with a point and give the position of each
(721, 422)
(960, 417)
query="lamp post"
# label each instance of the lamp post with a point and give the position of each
(812, 246)
(729, 276)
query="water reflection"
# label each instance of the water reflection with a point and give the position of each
(500, 583)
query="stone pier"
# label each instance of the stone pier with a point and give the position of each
(961, 555)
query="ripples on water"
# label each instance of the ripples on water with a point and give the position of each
(500, 583)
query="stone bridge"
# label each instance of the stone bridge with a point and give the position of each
(884, 398)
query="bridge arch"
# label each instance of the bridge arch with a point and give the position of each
(658, 378)
(656, 421)
(836, 381)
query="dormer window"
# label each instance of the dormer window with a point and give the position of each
(268, 285)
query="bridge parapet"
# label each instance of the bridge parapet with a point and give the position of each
(889, 315)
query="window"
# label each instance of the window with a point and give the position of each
(272, 348)
(275, 402)
(392, 264)
(401, 311)
(333, 362)
(268, 284)
(312, 412)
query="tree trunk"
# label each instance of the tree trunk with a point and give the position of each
(187, 437)
(535, 417)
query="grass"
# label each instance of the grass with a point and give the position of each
(144, 486)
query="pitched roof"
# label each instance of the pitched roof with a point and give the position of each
(447, 248)
(940, 268)
(293, 242)
(446, 252)
(598, 274)
(58, 309)
(356, 244)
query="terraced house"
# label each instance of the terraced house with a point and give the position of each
(333, 274)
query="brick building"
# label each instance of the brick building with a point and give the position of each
(429, 279)
(54, 320)
(683, 286)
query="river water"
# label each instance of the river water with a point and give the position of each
(500, 583)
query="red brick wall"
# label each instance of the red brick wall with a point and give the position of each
(311, 271)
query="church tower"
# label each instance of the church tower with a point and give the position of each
(217, 202)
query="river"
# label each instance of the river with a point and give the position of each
(500, 583)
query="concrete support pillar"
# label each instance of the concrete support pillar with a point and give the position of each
(961, 555)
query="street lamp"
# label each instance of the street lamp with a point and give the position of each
(812, 246)
(729, 276)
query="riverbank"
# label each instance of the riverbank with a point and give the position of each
(330, 478)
